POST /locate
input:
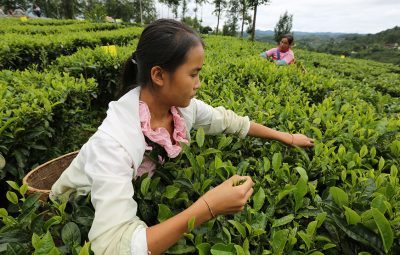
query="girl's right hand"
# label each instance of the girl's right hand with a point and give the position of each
(228, 197)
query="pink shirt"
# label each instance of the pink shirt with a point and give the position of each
(287, 56)
(161, 137)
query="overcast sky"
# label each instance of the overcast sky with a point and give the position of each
(349, 16)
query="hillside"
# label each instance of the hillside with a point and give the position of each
(383, 46)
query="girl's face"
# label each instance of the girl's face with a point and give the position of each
(181, 86)
(284, 44)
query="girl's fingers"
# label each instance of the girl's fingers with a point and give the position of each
(244, 182)
(249, 193)
(248, 184)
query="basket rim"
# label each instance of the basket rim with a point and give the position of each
(47, 191)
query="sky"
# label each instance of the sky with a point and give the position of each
(346, 16)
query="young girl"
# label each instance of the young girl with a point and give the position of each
(156, 115)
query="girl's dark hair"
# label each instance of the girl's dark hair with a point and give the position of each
(289, 37)
(164, 43)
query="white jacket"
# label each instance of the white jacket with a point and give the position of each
(105, 166)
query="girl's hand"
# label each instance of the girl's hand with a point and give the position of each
(230, 196)
(301, 141)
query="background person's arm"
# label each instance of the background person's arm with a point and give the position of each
(287, 59)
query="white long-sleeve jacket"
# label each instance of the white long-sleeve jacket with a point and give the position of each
(105, 166)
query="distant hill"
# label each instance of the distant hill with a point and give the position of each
(300, 34)
(268, 35)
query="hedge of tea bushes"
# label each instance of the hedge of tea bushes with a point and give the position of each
(99, 64)
(18, 51)
(31, 28)
(37, 111)
(383, 77)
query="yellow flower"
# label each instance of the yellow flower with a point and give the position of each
(23, 19)
(110, 49)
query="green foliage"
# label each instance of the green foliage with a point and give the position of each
(35, 107)
(341, 197)
(32, 226)
(284, 26)
(379, 47)
(96, 13)
(97, 63)
(18, 51)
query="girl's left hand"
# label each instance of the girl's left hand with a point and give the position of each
(302, 141)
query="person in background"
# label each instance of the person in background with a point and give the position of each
(36, 10)
(2, 14)
(147, 127)
(283, 54)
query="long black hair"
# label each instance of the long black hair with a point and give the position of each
(164, 43)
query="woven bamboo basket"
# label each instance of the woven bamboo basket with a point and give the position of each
(41, 178)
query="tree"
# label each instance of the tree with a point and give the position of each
(14, 4)
(198, 4)
(95, 11)
(144, 11)
(172, 3)
(254, 4)
(220, 5)
(230, 26)
(184, 8)
(284, 26)
(192, 22)
(246, 19)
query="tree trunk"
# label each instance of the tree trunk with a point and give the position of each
(253, 29)
(141, 12)
(243, 14)
(68, 9)
(219, 14)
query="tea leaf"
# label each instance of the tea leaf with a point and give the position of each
(12, 197)
(2, 162)
(279, 240)
(14, 249)
(85, 249)
(23, 189)
(191, 223)
(299, 193)
(239, 250)
(339, 196)
(385, 229)
(258, 199)
(276, 161)
(223, 249)
(203, 248)
(181, 249)
(171, 191)
(363, 151)
(381, 164)
(144, 187)
(352, 217)
(200, 137)
(164, 213)
(13, 185)
(379, 203)
(283, 221)
(239, 227)
(70, 234)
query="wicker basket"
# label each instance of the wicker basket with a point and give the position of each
(41, 178)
